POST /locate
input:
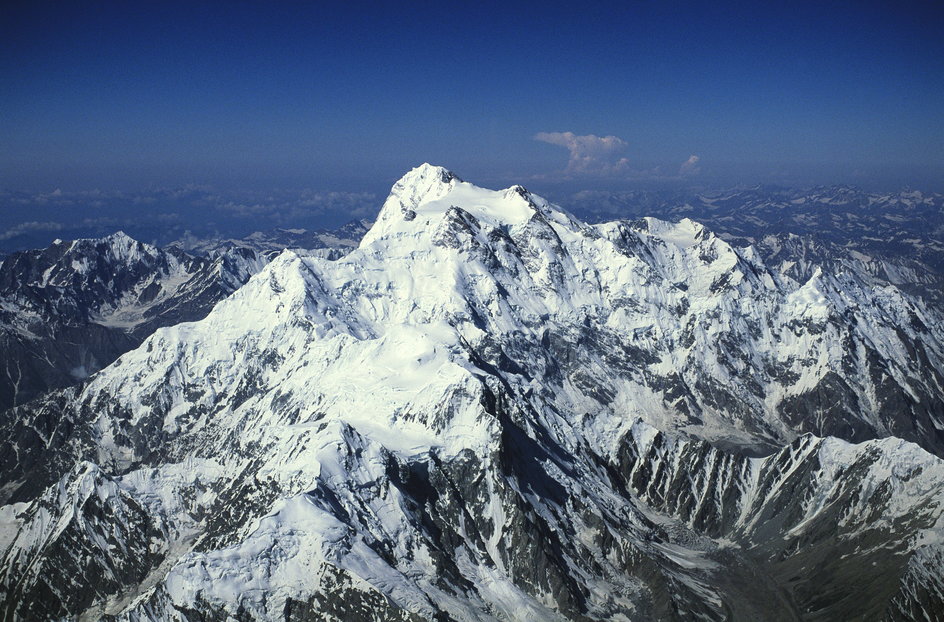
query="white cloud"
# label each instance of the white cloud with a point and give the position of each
(288, 207)
(590, 154)
(27, 227)
(690, 166)
(602, 156)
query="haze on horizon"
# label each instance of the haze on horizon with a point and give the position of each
(329, 104)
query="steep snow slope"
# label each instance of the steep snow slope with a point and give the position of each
(481, 413)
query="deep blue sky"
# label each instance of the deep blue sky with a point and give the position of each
(347, 96)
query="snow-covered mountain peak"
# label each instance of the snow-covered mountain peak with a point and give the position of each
(123, 246)
(117, 240)
(428, 194)
(427, 171)
(120, 237)
(422, 184)
(282, 281)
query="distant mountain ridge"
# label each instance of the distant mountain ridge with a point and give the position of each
(70, 309)
(897, 237)
(336, 241)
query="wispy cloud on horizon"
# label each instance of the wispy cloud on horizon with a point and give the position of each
(284, 209)
(161, 214)
(589, 154)
(690, 166)
(604, 156)
(28, 227)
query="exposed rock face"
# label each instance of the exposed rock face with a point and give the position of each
(491, 410)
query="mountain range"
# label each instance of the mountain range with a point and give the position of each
(491, 409)
(897, 237)
(71, 309)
